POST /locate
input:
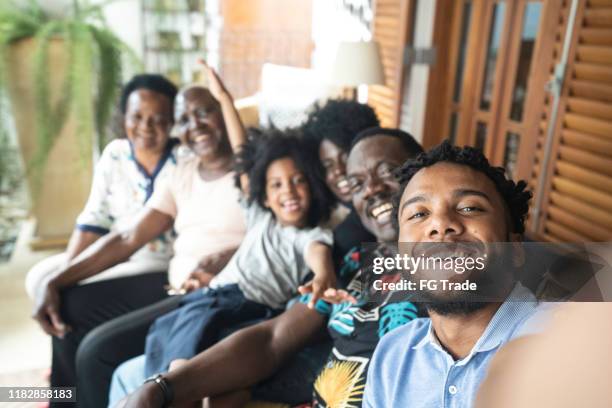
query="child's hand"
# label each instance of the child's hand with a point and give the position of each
(199, 278)
(338, 296)
(215, 85)
(324, 288)
(317, 288)
(206, 270)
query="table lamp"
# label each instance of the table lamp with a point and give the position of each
(357, 63)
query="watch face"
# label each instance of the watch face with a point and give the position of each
(153, 378)
(164, 385)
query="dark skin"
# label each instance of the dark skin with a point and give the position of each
(449, 202)
(148, 119)
(202, 129)
(252, 354)
(373, 189)
(333, 158)
(207, 269)
(146, 122)
(116, 247)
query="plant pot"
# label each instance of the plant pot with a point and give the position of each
(66, 177)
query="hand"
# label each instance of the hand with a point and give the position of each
(47, 313)
(147, 396)
(338, 296)
(323, 287)
(199, 278)
(215, 85)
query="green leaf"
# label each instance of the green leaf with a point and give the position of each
(91, 83)
(46, 126)
(109, 63)
(83, 82)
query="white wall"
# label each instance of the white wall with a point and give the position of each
(330, 26)
(123, 18)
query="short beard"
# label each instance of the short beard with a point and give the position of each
(455, 307)
(464, 304)
(490, 289)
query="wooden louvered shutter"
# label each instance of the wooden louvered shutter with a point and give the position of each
(577, 198)
(390, 30)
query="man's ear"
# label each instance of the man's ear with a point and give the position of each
(266, 203)
(518, 251)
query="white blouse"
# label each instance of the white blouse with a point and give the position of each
(119, 191)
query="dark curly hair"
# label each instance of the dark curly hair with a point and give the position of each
(410, 144)
(267, 145)
(152, 82)
(514, 195)
(339, 121)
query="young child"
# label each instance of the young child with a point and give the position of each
(284, 201)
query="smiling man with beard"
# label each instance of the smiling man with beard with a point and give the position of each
(454, 198)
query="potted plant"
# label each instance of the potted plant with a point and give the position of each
(61, 76)
(11, 197)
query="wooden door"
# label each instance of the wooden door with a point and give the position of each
(496, 74)
(391, 28)
(502, 56)
(574, 187)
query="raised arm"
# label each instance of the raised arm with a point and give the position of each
(237, 362)
(107, 251)
(235, 130)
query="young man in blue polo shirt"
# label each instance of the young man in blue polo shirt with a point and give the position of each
(453, 195)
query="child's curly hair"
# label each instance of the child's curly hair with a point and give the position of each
(267, 145)
(514, 195)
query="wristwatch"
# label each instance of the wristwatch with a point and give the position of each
(165, 387)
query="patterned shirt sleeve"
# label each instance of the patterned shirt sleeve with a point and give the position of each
(96, 216)
(321, 306)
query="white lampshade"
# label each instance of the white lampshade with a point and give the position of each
(357, 63)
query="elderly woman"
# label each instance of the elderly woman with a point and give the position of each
(124, 179)
(208, 231)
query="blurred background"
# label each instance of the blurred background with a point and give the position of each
(528, 82)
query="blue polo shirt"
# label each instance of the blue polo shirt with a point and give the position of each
(411, 369)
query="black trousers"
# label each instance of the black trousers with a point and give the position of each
(116, 341)
(112, 343)
(86, 307)
(123, 338)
